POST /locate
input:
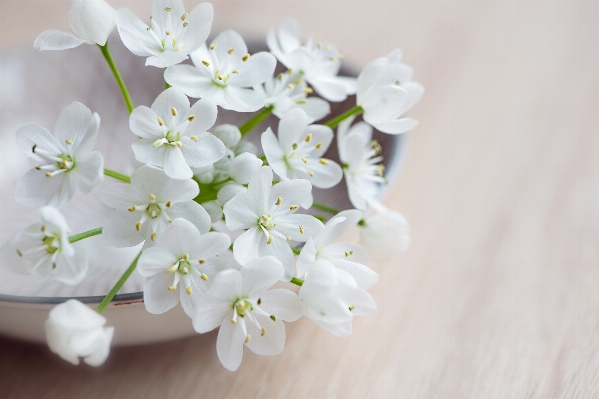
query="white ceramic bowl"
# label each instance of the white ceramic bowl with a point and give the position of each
(35, 87)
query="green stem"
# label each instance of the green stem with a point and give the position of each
(255, 120)
(357, 110)
(85, 234)
(117, 286)
(117, 76)
(117, 175)
(297, 281)
(325, 208)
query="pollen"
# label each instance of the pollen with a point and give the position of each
(311, 173)
(185, 257)
(152, 197)
(206, 63)
(179, 144)
(220, 77)
(294, 146)
(319, 144)
(269, 240)
(290, 86)
(212, 46)
(133, 208)
(174, 111)
(184, 16)
(172, 288)
(69, 141)
(154, 236)
(319, 44)
(168, 9)
(204, 276)
(348, 254)
(231, 51)
(293, 207)
(168, 32)
(191, 118)
(279, 201)
(380, 170)
(288, 239)
(273, 317)
(301, 101)
(202, 261)
(264, 218)
(324, 161)
(308, 137)
(188, 290)
(235, 72)
(234, 321)
(351, 308)
(138, 226)
(194, 138)
(160, 121)
(297, 82)
(263, 332)
(185, 24)
(245, 57)
(304, 160)
(48, 174)
(301, 229)
(308, 90)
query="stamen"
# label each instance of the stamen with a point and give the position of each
(293, 207)
(43, 228)
(273, 317)
(319, 44)
(328, 47)
(289, 71)
(204, 276)
(288, 239)
(351, 308)
(248, 338)
(172, 288)
(202, 261)
(185, 257)
(133, 208)
(184, 16)
(152, 197)
(308, 137)
(159, 142)
(319, 144)
(348, 254)
(168, 9)
(138, 226)
(188, 290)
(191, 118)
(301, 101)
(172, 269)
(185, 24)
(290, 86)
(168, 32)
(168, 205)
(324, 161)
(69, 141)
(264, 218)
(311, 173)
(308, 90)
(263, 331)
(294, 146)
(179, 144)
(234, 321)
(212, 46)
(174, 111)
(304, 160)
(245, 57)
(220, 77)
(297, 82)
(154, 236)
(235, 71)
(301, 229)
(380, 170)
(259, 301)
(160, 121)
(194, 138)
(206, 63)
(231, 51)
(279, 201)
(269, 240)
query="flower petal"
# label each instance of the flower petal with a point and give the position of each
(54, 39)
(285, 304)
(119, 230)
(397, 126)
(157, 297)
(273, 340)
(292, 128)
(89, 172)
(193, 212)
(143, 122)
(207, 150)
(255, 71)
(210, 313)
(241, 100)
(155, 260)
(122, 196)
(97, 18)
(179, 237)
(292, 192)
(35, 189)
(33, 135)
(211, 244)
(289, 224)
(73, 124)
(134, 33)
(259, 275)
(243, 167)
(229, 345)
(200, 23)
(192, 82)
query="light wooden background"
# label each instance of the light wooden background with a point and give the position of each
(498, 295)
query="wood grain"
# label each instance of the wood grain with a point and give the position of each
(497, 297)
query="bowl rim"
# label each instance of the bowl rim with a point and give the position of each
(393, 168)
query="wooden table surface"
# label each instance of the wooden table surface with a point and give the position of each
(498, 295)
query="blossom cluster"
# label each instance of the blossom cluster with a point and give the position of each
(219, 220)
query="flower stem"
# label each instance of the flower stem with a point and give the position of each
(118, 285)
(85, 234)
(117, 175)
(297, 281)
(357, 110)
(117, 76)
(255, 120)
(325, 208)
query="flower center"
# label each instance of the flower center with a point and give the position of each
(220, 78)
(268, 222)
(241, 306)
(184, 267)
(173, 137)
(49, 241)
(153, 211)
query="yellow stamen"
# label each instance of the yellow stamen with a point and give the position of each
(206, 63)
(269, 240)
(308, 90)
(288, 239)
(233, 321)
(294, 146)
(43, 228)
(204, 277)
(172, 288)
(133, 208)
(289, 71)
(235, 71)
(324, 161)
(351, 308)
(185, 24)
(202, 261)
(152, 197)
(154, 236)
(212, 46)
(245, 57)
(185, 257)
(301, 229)
(179, 144)
(304, 160)
(194, 138)
(191, 118)
(290, 86)
(259, 301)
(231, 50)
(171, 269)
(138, 226)
(319, 144)
(297, 82)
(311, 173)
(264, 218)
(248, 338)
(168, 32)
(293, 207)
(188, 290)
(184, 16)
(69, 141)
(279, 201)
(273, 317)
(160, 121)
(308, 137)
(263, 331)
(173, 111)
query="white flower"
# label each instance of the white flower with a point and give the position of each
(362, 167)
(224, 73)
(289, 91)
(247, 312)
(181, 265)
(92, 21)
(318, 63)
(298, 151)
(385, 92)
(171, 35)
(385, 234)
(66, 160)
(349, 258)
(43, 249)
(73, 330)
(241, 170)
(267, 212)
(145, 207)
(173, 135)
(331, 303)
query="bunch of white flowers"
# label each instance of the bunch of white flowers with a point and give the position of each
(193, 179)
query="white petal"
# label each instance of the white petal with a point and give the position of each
(228, 134)
(362, 301)
(212, 244)
(228, 192)
(166, 101)
(292, 192)
(193, 212)
(205, 113)
(95, 17)
(180, 237)
(349, 83)
(272, 342)
(226, 40)
(31, 135)
(330, 88)
(241, 100)
(320, 133)
(289, 224)
(134, 33)
(89, 172)
(122, 196)
(370, 75)
(292, 128)
(73, 124)
(57, 40)
(144, 123)
(229, 345)
(71, 271)
(35, 189)
(306, 258)
(102, 348)
(190, 81)
(382, 104)
(157, 297)
(214, 209)
(246, 247)
(226, 286)
(200, 23)
(289, 37)
(260, 274)
(189, 302)
(335, 229)
(175, 165)
(364, 276)
(155, 260)
(255, 71)
(243, 167)
(285, 304)
(397, 126)
(145, 152)
(325, 176)
(210, 313)
(340, 329)
(207, 150)
(315, 108)
(119, 230)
